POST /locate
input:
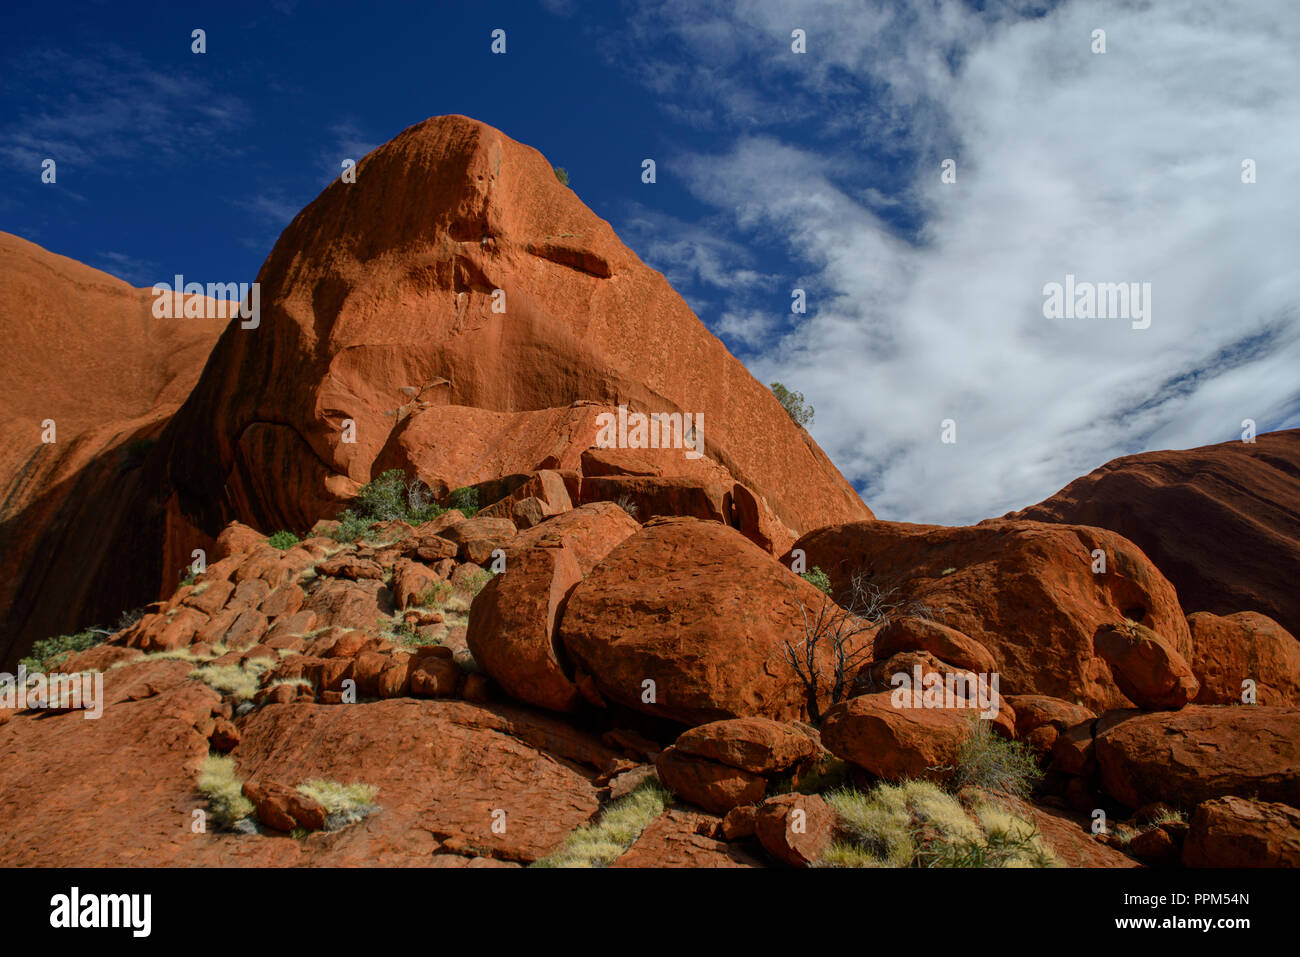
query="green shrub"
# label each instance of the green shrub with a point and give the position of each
(818, 579)
(465, 499)
(383, 499)
(562, 175)
(390, 498)
(405, 633)
(351, 527)
(475, 581)
(49, 653)
(989, 761)
(436, 594)
(283, 540)
(793, 403)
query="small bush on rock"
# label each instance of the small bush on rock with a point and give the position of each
(283, 540)
(793, 403)
(818, 579)
(49, 653)
(437, 594)
(389, 498)
(986, 760)
(465, 499)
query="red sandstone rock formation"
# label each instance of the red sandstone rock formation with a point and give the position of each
(83, 349)
(1222, 522)
(1025, 591)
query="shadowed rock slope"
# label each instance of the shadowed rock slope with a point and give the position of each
(81, 348)
(1222, 522)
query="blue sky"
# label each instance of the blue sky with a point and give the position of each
(776, 170)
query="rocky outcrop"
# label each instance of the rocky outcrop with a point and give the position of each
(1236, 832)
(1183, 757)
(1222, 522)
(109, 386)
(1147, 668)
(458, 313)
(378, 309)
(1025, 591)
(1232, 654)
(687, 620)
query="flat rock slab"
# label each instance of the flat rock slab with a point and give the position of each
(674, 840)
(445, 774)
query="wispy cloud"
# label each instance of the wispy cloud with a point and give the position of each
(136, 271)
(1123, 166)
(108, 105)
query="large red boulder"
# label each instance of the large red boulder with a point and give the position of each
(1222, 522)
(1229, 650)
(1201, 752)
(756, 745)
(512, 627)
(1237, 832)
(1147, 669)
(708, 784)
(893, 742)
(947, 644)
(1026, 591)
(590, 531)
(689, 620)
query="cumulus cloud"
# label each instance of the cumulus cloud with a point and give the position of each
(1117, 167)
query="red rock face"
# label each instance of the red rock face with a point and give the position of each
(700, 613)
(60, 502)
(1200, 752)
(1233, 649)
(378, 307)
(378, 324)
(1222, 522)
(1232, 832)
(1025, 591)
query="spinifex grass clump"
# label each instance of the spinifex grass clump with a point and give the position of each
(918, 824)
(600, 843)
(220, 784)
(344, 803)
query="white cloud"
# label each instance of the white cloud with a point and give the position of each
(1116, 167)
(111, 104)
